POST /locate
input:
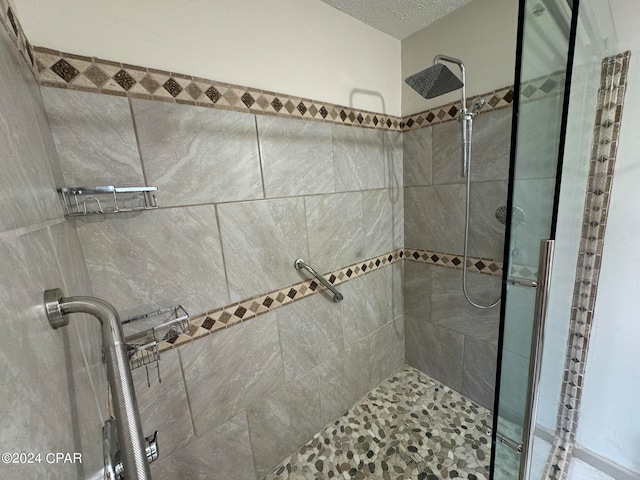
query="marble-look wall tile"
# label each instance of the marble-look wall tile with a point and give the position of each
(231, 370)
(417, 148)
(94, 137)
(88, 378)
(535, 197)
(446, 154)
(436, 351)
(261, 240)
(393, 142)
(520, 312)
(490, 149)
(359, 159)
(344, 379)
(398, 220)
(367, 304)
(163, 406)
(77, 282)
(222, 454)
(378, 222)
(513, 386)
(198, 155)
(538, 138)
(393, 159)
(491, 145)
(27, 188)
(434, 217)
(283, 421)
(397, 274)
(450, 309)
(387, 350)
(417, 290)
(297, 156)
(44, 127)
(479, 372)
(310, 333)
(141, 264)
(38, 370)
(486, 233)
(335, 224)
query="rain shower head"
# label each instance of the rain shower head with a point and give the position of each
(434, 81)
(518, 217)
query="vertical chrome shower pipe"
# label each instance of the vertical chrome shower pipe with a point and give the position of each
(465, 116)
(132, 441)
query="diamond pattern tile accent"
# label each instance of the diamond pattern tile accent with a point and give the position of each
(247, 99)
(65, 70)
(276, 104)
(167, 85)
(96, 75)
(150, 84)
(213, 94)
(172, 87)
(12, 21)
(193, 90)
(125, 80)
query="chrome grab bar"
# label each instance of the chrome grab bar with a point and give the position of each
(131, 440)
(300, 264)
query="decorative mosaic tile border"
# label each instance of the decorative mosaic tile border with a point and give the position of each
(495, 100)
(613, 82)
(12, 25)
(66, 70)
(477, 264)
(533, 90)
(229, 315)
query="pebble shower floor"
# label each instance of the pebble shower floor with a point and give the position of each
(409, 427)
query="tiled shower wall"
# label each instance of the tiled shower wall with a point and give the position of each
(54, 392)
(446, 337)
(242, 196)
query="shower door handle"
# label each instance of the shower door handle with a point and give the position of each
(545, 264)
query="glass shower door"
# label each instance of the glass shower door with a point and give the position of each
(545, 54)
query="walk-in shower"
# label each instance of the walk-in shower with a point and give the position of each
(435, 81)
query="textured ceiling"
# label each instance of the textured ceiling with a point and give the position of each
(398, 18)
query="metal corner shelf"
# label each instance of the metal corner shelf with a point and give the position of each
(105, 199)
(164, 324)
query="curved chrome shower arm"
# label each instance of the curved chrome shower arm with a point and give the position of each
(446, 58)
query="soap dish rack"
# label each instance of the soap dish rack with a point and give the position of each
(142, 347)
(98, 200)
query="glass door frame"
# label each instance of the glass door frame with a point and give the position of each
(545, 259)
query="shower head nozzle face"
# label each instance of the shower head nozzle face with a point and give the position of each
(518, 217)
(434, 81)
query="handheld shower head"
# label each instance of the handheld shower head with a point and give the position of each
(477, 104)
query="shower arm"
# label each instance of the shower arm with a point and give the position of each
(466, 117)
(132, 442)
(458, 62)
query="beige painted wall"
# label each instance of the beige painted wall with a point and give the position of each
(299, 47)
(482, 34)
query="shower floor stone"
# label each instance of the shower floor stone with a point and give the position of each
(409, 426)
